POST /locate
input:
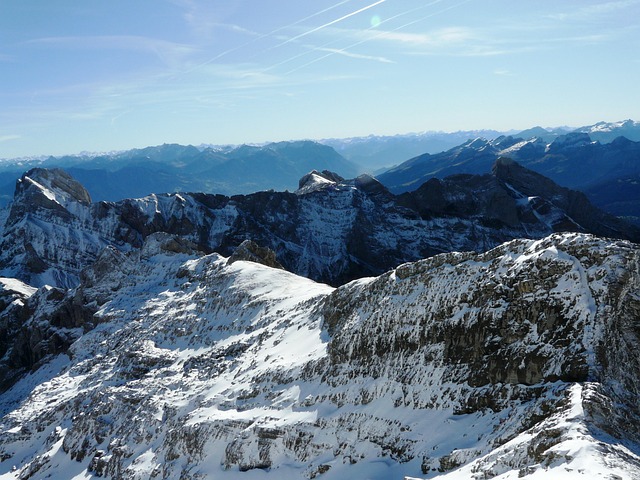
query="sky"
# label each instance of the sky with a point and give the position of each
(102, 75)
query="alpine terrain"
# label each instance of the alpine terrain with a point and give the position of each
(607, 172)
(480, 326)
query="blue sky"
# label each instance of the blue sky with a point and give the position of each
(103, 75)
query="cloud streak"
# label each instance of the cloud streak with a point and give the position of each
(596, 11)
(328, 24)
(259, 37)
(169, 52)
(353, 55)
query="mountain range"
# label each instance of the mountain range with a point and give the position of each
(376, 153)
(176, 168)
(483, 323)
(608, 173)
(331, 229)
(231, 170)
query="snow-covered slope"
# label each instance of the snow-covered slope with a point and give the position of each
(522, 361)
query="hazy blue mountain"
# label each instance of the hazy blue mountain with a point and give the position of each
(374, 152)
(619, 196)
(178, 168)
(547, 134)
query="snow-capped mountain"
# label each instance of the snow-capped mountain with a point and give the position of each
(573, 160)
(331, 230)
(376, 153)
(515, 363)
(606, 132)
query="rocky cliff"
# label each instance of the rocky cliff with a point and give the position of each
(521, 361)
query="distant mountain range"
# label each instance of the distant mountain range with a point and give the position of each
(606, 172)
(178, 168)
(378, 153)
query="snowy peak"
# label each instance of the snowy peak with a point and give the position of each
(573, 140)
(331, 230)
(315, 181)
(608, 131)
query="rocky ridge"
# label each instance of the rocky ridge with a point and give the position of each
(515, 362)
(331, 230)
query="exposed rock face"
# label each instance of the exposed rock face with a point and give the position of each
(331, 230)
(514, 197)
(514, 362)
(576, 210)
(252, 252)
(315, 180)
(13, 297)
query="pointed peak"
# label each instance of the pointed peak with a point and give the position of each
(503, 164)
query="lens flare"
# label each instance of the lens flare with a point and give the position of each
(376, 21)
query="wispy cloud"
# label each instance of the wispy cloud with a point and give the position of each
(8, 138)
(437, 38)
(454, 41)
(354, 55)
(275, 33)
(597, 10)
(170, 53)
(214, 86)
(328, 24)
(203, 18)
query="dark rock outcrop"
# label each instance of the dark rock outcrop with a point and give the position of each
(251, 252)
